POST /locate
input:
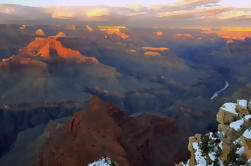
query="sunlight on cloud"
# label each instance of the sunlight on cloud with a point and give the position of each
(206, 12)
(235, 13)
(135, 7)
(98, 12)
(7, 10)
(63, 15)
(194, 2)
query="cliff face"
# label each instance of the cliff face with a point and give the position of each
(230, 145)
(104, 130)
(17, 118)
(49, 47)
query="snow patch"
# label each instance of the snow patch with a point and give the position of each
(242, 103)
(247, 117)
(200, 160)
(229, 107)
(240, 151)
(247, 133)
(102, 162)
(236, 125)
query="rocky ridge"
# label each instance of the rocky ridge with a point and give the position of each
(104, 130)
(230, 145)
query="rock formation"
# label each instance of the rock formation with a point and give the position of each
(230, 145)
(114, 30)
(52, 48)
(40, 32)
(103, 130)
(60, 34)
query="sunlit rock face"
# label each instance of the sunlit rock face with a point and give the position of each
(23, 27)
(52, 48)
(89, 28)
(40, 32)
(114, 30)
(184, 35)
(235, 33)
(159, 33)
(155, 48)
(230, 145)
(60, 35)
(151, 53)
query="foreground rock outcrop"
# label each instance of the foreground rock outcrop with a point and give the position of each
(230, 145)
(103, 130)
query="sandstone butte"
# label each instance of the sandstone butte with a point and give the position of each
(89, 28)
(235, 33)
(40, 32)
(103, 130)
(184, 35)
(159, 33)
(151, 53)
(48, 48)
(156, 48)
(114, 30)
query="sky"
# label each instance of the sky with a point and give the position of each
(151, 13)
(234, 3)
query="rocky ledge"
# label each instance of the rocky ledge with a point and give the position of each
(230, 145)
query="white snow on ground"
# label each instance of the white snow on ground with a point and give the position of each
(221, 145)
(247, 133)
(242, 103)
(200, 160)
(247, 117)
(230, 107)
(240, 151)
(101, 162)
(236, 125)
(238, 142)
(212, 155)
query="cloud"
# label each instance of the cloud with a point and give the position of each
(98, 12)
(63, 15)
(186, 5)
(7, 10)
(184, 13)
(135, 7)
(195, 3)
(197, 13)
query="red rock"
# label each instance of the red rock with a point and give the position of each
(104, 130)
